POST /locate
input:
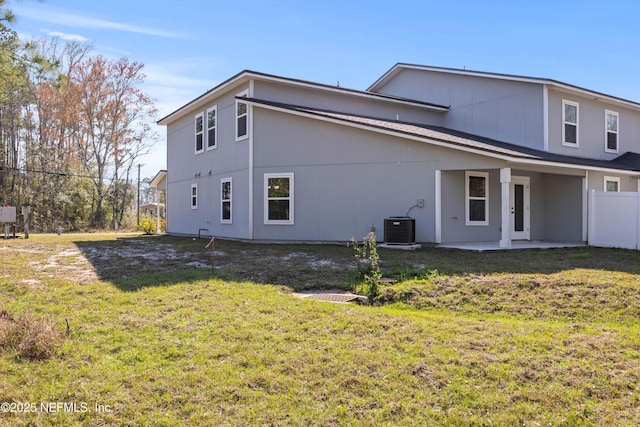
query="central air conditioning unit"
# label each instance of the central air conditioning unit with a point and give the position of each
(400, 230)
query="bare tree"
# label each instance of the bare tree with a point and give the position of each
(114, 117)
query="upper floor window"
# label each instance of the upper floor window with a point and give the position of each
(570, 123)
(611, 183)
(212, 132)
(611, 131)
(477, 198)
(242, 117)
(199, 133)
(225, 215)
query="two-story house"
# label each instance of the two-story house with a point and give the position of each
(473, 156)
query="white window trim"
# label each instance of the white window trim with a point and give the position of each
(195, 140)
(485, 175)
(244, 93)
(611, 179)
(215, 128)
(289, 221)
(230, 200)
(192, 196)
(577, 124)
(607, 113)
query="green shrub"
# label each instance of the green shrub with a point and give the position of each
(367, 267)
(148, 225)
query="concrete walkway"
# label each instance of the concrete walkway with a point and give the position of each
(495, 246)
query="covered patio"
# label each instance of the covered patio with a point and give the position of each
(515, 244)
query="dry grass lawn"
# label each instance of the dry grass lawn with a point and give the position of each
(157, 337)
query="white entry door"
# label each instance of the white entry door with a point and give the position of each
(520, 210)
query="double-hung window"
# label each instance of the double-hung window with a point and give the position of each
(570, 123)
(194, 196)
(611, 131)
(278, 198)
(477, 198)
(225, 201)
(242, 117)
(212, 132)
(199, 128)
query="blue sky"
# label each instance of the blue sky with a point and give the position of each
(190, 46)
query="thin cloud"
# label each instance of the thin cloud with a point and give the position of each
(67, 36)
(73, 19)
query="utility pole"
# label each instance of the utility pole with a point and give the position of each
(138, 195)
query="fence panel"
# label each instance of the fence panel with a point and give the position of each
(614, 219)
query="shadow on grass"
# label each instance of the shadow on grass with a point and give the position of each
(132, 263)
(135, 262)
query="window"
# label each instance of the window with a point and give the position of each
(611, 184)
(570, 123)
(278, 203)
(194, 196)
(212, 132)
(242, 117)
(199, 133)
(477, 198)
(611, 131)
(225, 197)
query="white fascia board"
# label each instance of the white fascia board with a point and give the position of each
(203, 99)
(552, 84)
(399, 67)
(507, 158)
(252, 76)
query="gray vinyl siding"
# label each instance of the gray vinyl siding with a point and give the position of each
(346, 102)
(555, 207)
(591, 127)
(504, 110)
(627, 183)
(347, 180)
(454, 228)
(229, 160)
(563, 201)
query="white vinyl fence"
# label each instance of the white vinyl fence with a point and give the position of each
(614, 219)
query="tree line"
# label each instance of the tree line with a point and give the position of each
(72, 127)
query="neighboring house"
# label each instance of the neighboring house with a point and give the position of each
(151, 209)
(494, 157)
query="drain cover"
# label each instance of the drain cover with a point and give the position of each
(335, 297)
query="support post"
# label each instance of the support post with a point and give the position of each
(26, 211)
(438, 206)
(505, 184)
(138, 204)
(157, 213)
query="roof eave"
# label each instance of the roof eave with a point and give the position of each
(566, 87)
(203, 99)
(441, 143)
(160, 176)
(247, 75)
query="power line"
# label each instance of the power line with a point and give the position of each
(71, 175)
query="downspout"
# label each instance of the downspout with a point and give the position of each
(545, 117)
(585, 207)
(250, 111)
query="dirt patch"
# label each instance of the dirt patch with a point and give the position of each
(122, 259)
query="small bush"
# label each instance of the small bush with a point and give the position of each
(28, 336)
(367, 266)
(148, 225)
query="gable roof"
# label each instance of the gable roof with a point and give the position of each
(157, 180)
(457, 140)
(396, 69)
(247, 75)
